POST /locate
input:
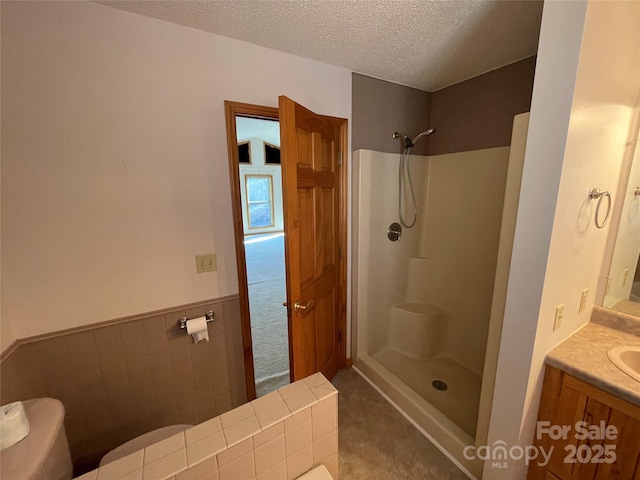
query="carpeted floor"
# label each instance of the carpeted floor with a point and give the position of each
(267, 291)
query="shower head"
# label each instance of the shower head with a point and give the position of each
(426, 133)
(408, 142)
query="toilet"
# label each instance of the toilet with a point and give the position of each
(44, 453)
(142, 441)
(47, 449)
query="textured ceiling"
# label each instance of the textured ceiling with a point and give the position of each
(425, 44)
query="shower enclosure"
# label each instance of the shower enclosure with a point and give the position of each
(422, 304)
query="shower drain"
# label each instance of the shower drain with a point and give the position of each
(439, 385)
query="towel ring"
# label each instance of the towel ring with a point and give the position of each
(596, 193)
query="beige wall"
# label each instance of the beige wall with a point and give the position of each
(114, 168)
(583, 100)
(6, 330)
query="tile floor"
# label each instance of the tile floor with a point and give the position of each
(377, 443)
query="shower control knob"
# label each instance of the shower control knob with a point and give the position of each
(394, 232)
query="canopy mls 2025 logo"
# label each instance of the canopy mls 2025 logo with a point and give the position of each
(574, 452)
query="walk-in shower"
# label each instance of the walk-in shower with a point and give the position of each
(422, 305)
(404, 175)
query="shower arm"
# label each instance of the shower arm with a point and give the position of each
(410, 143)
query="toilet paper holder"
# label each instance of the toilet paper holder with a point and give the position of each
(182, 321)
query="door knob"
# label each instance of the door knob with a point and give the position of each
(297, 306)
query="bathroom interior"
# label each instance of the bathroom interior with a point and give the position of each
(470, 248)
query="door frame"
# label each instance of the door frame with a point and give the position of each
(233, 109)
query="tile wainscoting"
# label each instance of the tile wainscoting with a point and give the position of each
(120, 379)
(277, 437)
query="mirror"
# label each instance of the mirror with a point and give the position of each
(622, 292)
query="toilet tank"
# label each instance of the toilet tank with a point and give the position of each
(44, 453)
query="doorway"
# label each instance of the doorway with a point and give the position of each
(260, 175)
(314, 186)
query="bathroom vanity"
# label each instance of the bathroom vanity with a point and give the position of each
(589, 415)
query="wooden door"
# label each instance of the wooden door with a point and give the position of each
(310, 145)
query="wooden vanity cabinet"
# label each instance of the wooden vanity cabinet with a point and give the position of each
(565, 401)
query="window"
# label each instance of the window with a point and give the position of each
(244, 152)
(271, 154)
(259, 200)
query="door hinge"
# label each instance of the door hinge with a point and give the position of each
(339, 158)
(339, 335)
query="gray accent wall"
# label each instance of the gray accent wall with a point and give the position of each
(471, 115)
(478, 113)
(380, 108)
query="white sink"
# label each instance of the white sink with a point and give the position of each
(626, 359)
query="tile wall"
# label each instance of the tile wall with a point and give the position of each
(127, 377)
(277, 437)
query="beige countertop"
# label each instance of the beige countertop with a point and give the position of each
(584, 355)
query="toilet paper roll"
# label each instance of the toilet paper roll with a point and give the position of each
(14, 424)
(197, 328)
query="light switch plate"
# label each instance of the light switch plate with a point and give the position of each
(206, 263)
(583, 300)
(559, 314)
(625, 275)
